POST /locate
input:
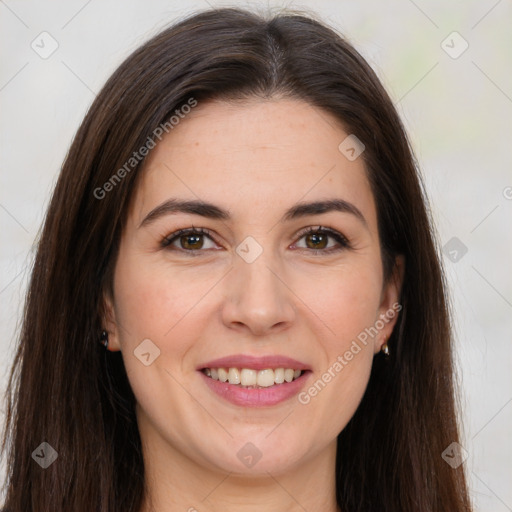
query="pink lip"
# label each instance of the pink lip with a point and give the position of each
(255, 363)
(256, 397)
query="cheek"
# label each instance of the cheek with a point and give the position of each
(168, 306)
(348, 303)
(153, 302)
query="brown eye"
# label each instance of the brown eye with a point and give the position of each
(188, 240)
(193, 242)
(318, 239)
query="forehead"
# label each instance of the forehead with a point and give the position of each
(253, 157)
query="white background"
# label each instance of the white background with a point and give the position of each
(458, 113)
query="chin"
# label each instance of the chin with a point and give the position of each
(258, 455)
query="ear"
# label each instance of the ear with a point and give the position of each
(390, 306)
(109, 322)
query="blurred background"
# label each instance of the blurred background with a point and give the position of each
(446, 65)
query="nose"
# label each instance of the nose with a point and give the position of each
(258, 299)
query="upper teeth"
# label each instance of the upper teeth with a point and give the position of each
(250, 377)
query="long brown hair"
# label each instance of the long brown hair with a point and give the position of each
(66, 390)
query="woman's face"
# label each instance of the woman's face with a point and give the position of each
(253, 287)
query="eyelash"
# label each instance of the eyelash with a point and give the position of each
(344, 243)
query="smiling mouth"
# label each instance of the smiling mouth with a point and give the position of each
(249, 378)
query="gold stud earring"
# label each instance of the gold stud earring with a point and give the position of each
(385, 348)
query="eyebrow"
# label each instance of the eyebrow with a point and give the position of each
(211, 211)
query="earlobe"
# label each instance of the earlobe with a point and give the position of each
(109, 335)
(390, 306)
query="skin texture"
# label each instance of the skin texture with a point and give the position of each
(256, 159)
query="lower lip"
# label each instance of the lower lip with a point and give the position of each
(256, 397)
